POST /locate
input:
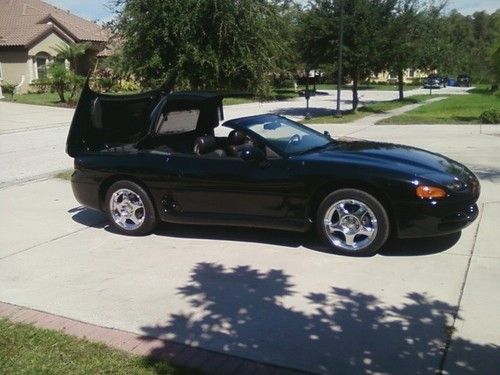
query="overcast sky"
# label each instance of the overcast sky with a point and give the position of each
(98, 10)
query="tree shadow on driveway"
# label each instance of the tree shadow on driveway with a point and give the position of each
(243, 311)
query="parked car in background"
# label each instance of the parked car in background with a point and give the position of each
(434, 81)
(464, 80)
(155, 156)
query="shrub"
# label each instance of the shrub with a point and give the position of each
(9, 88)
(41, 85)
(491, 116)
(128, 85)
(104, 84)
(62, 80)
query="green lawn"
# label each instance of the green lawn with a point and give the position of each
(28, 350)
(456, 109)
(369, 109)
(372, 86)
(277, 94)
(52, 99)
(48, 98)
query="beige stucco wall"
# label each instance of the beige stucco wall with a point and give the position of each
(19, 62)
(385, 76)
(14, 65)
(46, 45)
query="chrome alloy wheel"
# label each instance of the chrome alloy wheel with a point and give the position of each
(127, 209)
(350, 225)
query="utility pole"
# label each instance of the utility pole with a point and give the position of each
(341, 43)
(307, 95)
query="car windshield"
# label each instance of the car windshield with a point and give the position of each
(286, 135)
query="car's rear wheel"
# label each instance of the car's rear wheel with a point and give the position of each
(130, 210)
(352, 222)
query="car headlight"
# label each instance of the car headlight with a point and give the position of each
(430, 192)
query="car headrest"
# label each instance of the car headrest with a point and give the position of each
(236, 138)
(203, 145)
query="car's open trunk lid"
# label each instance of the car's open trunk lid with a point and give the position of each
(103, 119)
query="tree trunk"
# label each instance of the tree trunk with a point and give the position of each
(169, 84)
(401, 84)
(60, 92)
(355, 99)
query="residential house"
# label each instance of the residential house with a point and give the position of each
(409, 76)
(29, 31)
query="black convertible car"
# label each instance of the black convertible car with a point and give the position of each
(154, 156)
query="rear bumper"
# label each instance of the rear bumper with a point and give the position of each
(85, 190)
(428, 219)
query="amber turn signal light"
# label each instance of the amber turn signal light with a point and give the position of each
(430, 192)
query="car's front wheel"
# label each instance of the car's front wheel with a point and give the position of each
(352, 222)
(129, 209)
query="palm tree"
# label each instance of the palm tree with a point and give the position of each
(71, 52)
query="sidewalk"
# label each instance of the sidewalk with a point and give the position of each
(373, 119)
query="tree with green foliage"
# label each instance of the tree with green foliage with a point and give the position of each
(9, 89)
(201, 44)
(409, 33)
(71, 52)
(62, 81)
(495, 67)
(468, 43)
(364, 45)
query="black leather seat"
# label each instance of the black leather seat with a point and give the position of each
(207, 145)
(236, 142)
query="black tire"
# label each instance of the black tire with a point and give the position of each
(149, 217)
(377, 209)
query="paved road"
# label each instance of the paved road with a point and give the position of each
(32, 141)
(266, 295)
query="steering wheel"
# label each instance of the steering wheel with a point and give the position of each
(294, 139)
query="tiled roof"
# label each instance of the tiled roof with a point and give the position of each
(24, 21)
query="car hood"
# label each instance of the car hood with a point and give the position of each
(402, 158)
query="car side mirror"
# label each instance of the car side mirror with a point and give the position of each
(327, 134)
(253, 154)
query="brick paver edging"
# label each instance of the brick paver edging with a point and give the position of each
(182, 355)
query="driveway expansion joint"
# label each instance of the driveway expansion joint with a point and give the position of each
(134, 344)
(442, 363)
(46, 242)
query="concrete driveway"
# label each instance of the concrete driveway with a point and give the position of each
(266, 295)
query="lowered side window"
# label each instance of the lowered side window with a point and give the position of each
(176, 122)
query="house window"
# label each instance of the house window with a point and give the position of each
(411, 73)
(393, 75)
(41, 66)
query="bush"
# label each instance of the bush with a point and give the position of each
(62, 81)
(104, 84)
(491, 116)
(128, 85)
(41, 85)
(9, 88)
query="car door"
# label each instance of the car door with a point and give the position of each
(230, 189)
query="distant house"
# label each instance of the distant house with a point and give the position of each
(409, 76)
(29, 31)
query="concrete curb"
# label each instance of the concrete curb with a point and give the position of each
(177, 354)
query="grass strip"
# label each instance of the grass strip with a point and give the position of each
(25, 349)
(456, 109)
(368, 109)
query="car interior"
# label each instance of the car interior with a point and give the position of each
(182, 128)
